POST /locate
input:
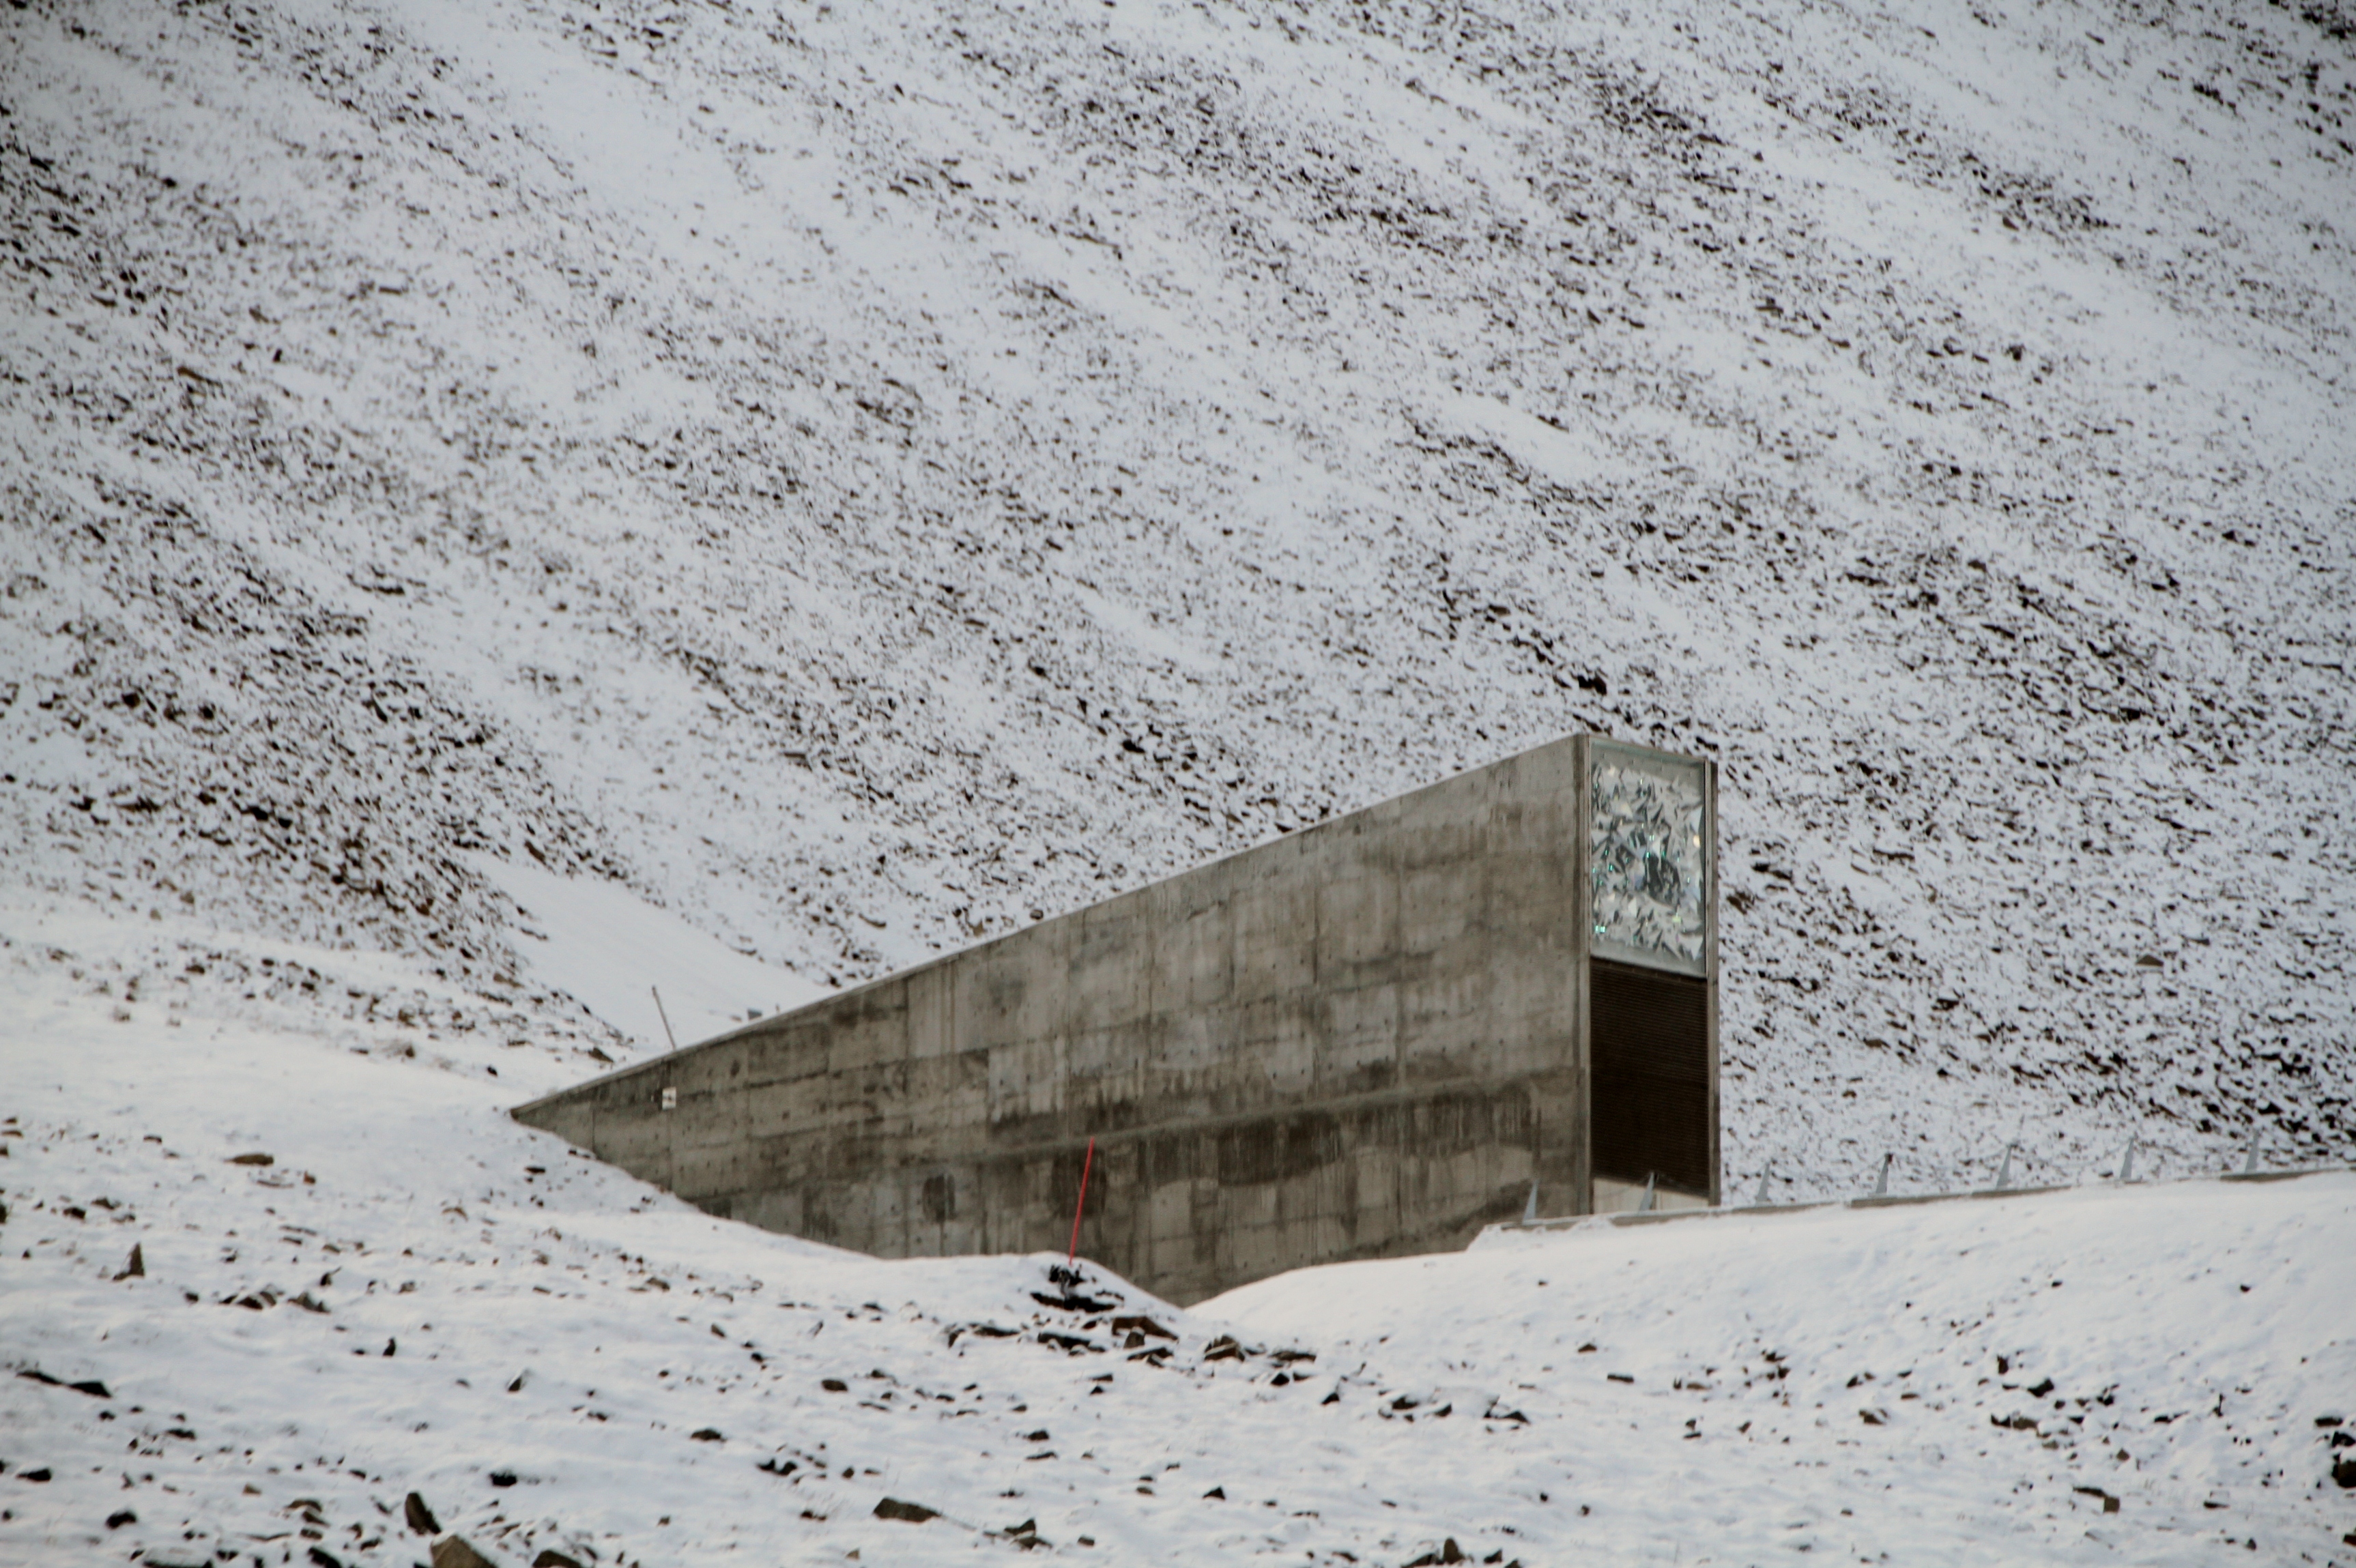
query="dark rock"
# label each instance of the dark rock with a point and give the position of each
(1223, 1348)
(251, 1160)
(2040, 1388)
(118, 1520)
(706, 1435)
(137, 1268)
(551, 1558)
(2343, 1470)
(503, 1477)
(893, 1508)
(1137, 1324)
(40, 1474)
(1038, 1437)
(1218, 1492)
(421, 1517)
(456, 1551)
(1449, 1552)
(2110, 1503)
(324, 1558)
(834, 1385)
(778, 1467)
(89, 1386)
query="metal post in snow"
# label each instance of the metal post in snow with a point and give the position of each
(665, 1018)
(1881, 1183)
(2126, 1165)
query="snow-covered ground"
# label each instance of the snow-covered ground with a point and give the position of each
(416, 1295)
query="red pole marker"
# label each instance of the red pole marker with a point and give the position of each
(1081, 1207)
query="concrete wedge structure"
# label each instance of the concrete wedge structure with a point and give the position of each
(1368, 1038)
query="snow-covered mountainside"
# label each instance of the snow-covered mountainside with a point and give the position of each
(260, 1288)
(862, 475)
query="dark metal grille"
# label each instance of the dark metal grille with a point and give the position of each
(1648, 1041)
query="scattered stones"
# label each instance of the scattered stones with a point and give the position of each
(421, 1517)
(891, 1508)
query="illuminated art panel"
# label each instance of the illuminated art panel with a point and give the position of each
(1648, 862)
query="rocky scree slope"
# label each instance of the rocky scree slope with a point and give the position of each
(866, 476)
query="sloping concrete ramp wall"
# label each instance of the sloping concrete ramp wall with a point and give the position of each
(1362, 1039)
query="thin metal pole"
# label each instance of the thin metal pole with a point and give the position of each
(665, 1018)
(1081, 1207)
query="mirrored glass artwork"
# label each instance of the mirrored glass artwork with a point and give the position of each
(1645, 851)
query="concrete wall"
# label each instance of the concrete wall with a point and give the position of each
(1359, 1040)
